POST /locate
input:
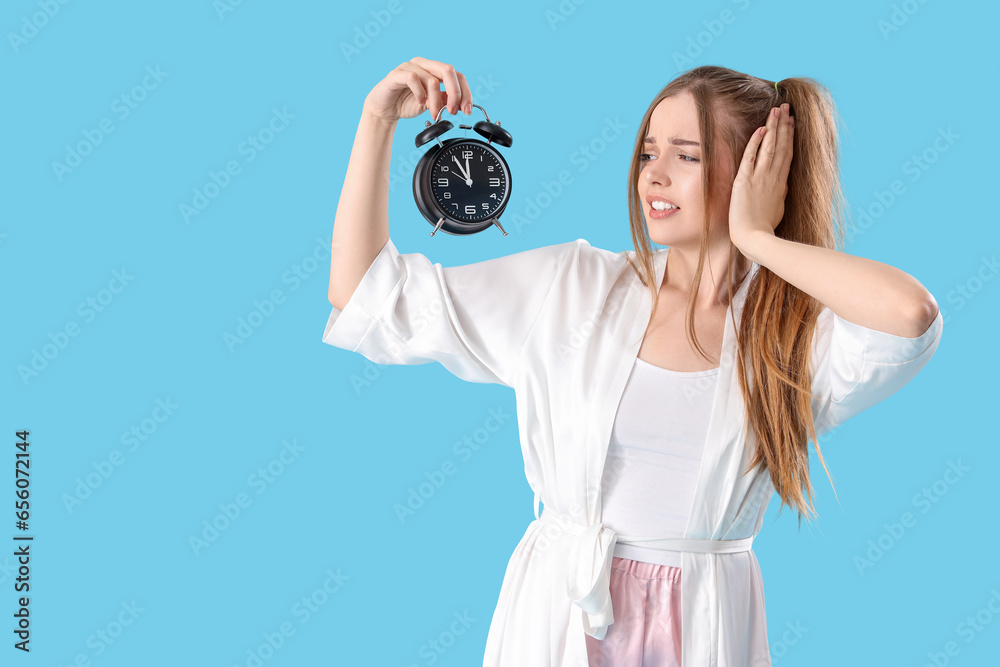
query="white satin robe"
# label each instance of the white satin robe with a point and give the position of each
(562, 325)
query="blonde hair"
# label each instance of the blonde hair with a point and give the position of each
(778, 319)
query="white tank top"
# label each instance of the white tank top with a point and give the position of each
(654, 455)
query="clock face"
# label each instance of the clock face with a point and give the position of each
(470, 181)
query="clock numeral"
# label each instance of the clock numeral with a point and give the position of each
(494, 175)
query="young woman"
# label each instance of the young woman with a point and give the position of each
(657, 410)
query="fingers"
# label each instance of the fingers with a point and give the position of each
(768, 144)
(447, 75)
(415, 79)
(466, 94)
(784, 148)
(777, 146)
(750, 152)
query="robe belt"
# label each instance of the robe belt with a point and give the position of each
(588, 576)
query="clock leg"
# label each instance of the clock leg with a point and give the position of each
(438, 226)
(496, 221)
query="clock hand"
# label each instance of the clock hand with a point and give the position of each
(464, 174)
(468, 173)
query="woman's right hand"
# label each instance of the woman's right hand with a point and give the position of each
(416, 85)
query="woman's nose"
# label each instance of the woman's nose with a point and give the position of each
(656, 174)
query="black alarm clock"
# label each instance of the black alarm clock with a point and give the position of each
(462, 185)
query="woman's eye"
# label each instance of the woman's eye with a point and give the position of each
(643, 157)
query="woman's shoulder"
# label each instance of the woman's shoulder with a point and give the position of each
(603, 256)
(576, 257)
(595, 269)
(568, 264)
(616, 261)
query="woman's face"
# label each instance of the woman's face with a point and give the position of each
(672, 169)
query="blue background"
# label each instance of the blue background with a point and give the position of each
(359, 448)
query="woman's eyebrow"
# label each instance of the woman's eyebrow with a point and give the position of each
(673, 140)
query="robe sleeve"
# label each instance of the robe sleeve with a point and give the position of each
(472, 319)
(855, 367)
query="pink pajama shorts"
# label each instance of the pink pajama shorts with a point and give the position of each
(646, 602)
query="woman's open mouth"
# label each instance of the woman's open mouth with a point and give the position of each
(657, 215)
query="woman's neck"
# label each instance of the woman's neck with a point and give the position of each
(712, 291)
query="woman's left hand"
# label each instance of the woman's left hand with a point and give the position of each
(758, 197)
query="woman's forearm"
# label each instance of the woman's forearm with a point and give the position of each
(361, 224)
(860, 290)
